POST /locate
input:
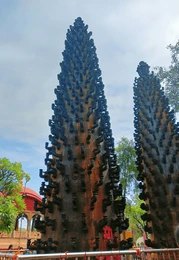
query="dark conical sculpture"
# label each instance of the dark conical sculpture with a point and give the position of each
(157, 147)
(82, 204)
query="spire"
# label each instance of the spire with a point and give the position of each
(156, 141)
(82, 197)
(143, 69)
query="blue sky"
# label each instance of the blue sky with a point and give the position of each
(32, 40)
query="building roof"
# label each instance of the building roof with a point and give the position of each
(31, 193)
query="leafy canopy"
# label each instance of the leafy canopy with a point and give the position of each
(126, 157)
(11, 201)
(134, 212)
(170, 77)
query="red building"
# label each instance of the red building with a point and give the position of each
(24, 227)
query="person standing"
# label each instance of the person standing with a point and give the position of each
(10, 248)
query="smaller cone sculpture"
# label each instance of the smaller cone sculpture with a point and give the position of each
(157, 147)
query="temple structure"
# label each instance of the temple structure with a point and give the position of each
(157, 147)
(82, 203)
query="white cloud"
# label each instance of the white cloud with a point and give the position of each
(32, 40)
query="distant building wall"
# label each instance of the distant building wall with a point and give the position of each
(24, 226)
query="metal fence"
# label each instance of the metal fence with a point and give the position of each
(134, 254)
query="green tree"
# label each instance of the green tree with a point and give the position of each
(134, 212)
(170, 77)
(12, 177)
(126, 158)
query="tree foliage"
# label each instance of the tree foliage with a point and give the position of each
(126, 157)
(11, 201)
(170, 77)
(134, 212)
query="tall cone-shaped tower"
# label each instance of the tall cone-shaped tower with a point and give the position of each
(82, 204)
(157, 147)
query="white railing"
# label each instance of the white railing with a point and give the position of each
(133, 254)
(7, 256)
(138, 253)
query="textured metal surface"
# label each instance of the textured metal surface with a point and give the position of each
(157, 147)
(81, 191)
